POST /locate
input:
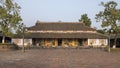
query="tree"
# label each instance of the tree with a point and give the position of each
(9, 17)
(101, 31)
(85, 20)
(109, 18)
(21, 28)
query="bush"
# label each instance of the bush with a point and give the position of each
(8, 46)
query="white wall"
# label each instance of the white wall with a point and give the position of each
(19, 42)
(97, 42)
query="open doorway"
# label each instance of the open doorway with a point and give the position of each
(80, 42)
(59, 42)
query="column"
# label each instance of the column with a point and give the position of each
(56, 42)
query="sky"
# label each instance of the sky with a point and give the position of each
(59, 10)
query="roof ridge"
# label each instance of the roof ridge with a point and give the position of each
(56, 22)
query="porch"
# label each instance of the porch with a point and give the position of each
(59, 42)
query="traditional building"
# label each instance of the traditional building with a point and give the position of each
(66, 34)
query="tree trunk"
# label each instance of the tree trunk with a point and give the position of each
(3, 40)
(115, 40)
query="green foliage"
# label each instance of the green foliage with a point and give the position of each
(9, 17)
(85, 20)
(20, 29)
(109, 17)
(101, 31)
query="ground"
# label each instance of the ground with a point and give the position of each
(60, 58)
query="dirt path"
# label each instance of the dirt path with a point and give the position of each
(60, 58)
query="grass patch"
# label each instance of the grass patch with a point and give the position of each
(115, 49)
(111, 49)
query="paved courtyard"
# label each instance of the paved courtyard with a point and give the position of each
(60, 58)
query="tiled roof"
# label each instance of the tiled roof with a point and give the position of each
(60, 26)
(64, 35)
